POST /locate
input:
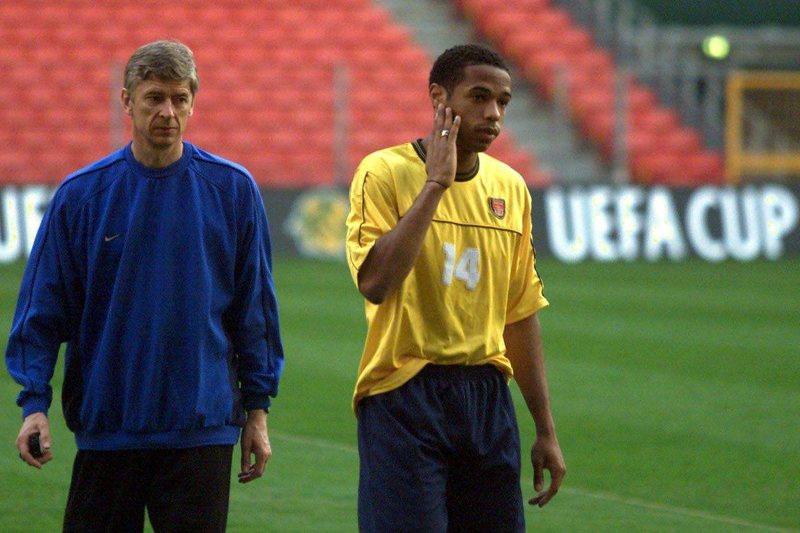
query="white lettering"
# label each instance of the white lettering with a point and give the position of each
(663, 232)
(629, 222)
(601, 224)
(10, 237)
(779, 213)
(740, 223)
(704, 244)
(34, 203)
(568, 248)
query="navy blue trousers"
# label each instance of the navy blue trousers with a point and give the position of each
(441, 453)
(184, 490)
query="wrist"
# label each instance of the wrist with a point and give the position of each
(545, 431)
(440, 184)
(257, 413)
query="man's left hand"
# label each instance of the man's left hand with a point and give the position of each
(255, 442)
(546, 455)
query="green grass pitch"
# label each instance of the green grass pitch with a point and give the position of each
(675, 387)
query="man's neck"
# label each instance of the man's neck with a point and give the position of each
(155, 158)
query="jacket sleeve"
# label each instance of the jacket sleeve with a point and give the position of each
(46, 308)
(255, 328)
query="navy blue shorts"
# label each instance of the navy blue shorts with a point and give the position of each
(441, 453)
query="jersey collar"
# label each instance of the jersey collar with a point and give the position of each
(463, 176)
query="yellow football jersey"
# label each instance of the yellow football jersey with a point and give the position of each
(475, 272)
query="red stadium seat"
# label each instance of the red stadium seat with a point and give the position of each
(656, 119)
(588, 99)
(640, 98)
(641, 142)
(705, 167)
(657, 167)
(266, 82)
(553, 52)
(519, 46)
(681, 140)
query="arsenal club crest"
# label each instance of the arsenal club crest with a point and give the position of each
(498, 207)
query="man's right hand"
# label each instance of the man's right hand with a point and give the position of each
(34, 423)
(442, 157)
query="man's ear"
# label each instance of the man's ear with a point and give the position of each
(438, 94)
(125, 98)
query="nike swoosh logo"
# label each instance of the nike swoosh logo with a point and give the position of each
(112, 237)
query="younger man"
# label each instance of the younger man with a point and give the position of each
(439, 242)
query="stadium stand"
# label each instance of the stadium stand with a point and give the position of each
(553, 49)
(296, 91)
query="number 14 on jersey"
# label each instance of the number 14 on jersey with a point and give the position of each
(465, 267)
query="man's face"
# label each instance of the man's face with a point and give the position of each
(480, 100)
(160, 111)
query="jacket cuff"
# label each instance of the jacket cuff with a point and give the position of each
(34, 405)
(259, 402)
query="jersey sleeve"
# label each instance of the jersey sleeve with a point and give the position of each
(526, 294)
(373, 211)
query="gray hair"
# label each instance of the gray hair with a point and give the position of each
(162, 60)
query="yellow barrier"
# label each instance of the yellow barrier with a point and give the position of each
(776, 95)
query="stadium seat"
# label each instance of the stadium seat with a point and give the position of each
(658, 167)
(642, 142)
(681, 140)
(705, 166)
(576, 41)
(267, 96)
(556, 54)
(657, 119)
(588, 99)
(520, 45)
(640, 98)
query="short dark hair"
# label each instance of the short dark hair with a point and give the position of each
(448, 69)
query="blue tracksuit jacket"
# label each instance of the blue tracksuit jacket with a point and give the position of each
(160, 282)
